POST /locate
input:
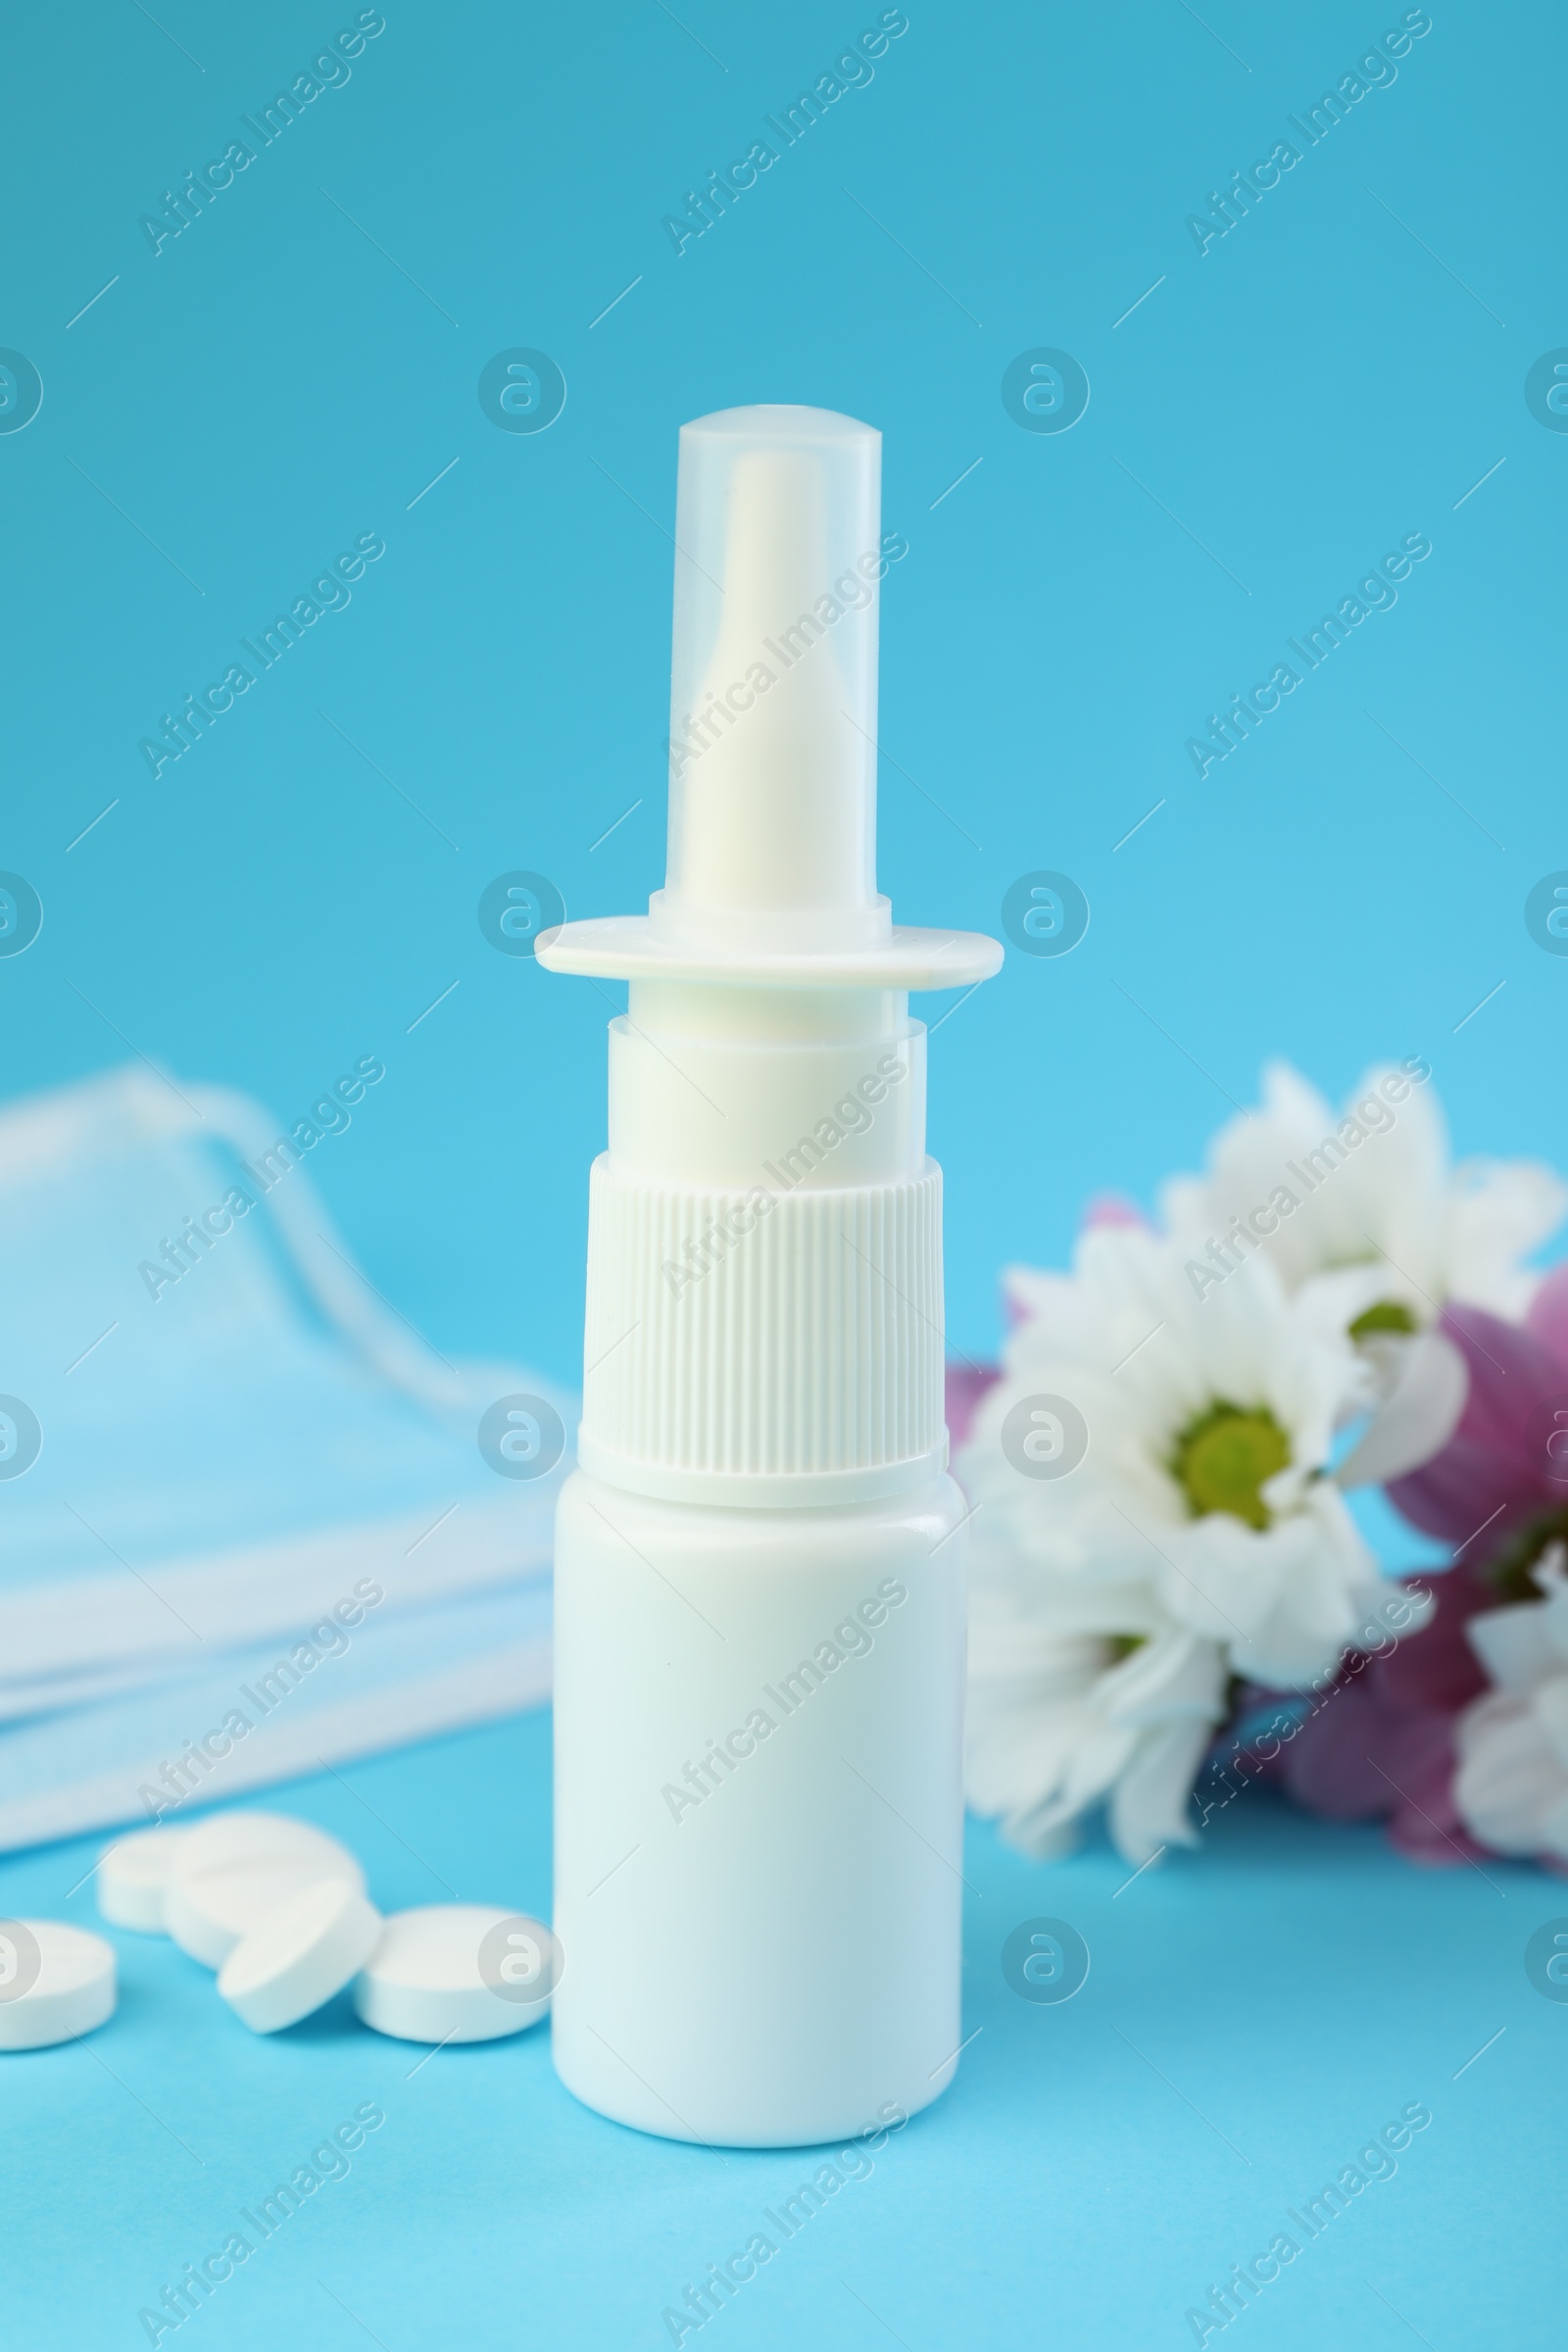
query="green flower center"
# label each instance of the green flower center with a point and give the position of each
(1389, 1314)
(1122, 1645)
(1223, 1460)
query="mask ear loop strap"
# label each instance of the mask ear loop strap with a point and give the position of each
(328, 1272)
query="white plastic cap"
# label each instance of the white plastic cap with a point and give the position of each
(772, 755)
(771, 873)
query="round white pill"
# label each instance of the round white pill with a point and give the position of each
(458, 1972)
(212, 1911)
(55, 1983)
(307, 1951)
(133, 1877)
(223, 1839)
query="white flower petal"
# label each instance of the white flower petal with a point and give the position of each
(1551, 1713)
(1056, 1725)
(1150, 1807)
(1421, 1412)
(1511, 1782)
(1374, 1185)
(1498, 1212)
(1514, 1645)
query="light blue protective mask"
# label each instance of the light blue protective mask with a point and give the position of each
(211, 1425)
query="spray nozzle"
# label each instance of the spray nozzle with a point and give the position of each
(772, 755)
(771, 873)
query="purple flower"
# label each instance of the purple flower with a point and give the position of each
(1498, 1491)
(1381, 1742)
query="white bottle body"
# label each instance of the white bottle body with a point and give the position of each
(759, 1810)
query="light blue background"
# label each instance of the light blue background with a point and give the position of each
(1275, 416)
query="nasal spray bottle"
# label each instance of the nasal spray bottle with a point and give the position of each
(760, 1561)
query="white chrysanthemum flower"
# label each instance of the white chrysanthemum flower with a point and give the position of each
(1081, 1696)
(1372, 1183)
(1511, 1787)
(1207, 1427)
(1156, 1517)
